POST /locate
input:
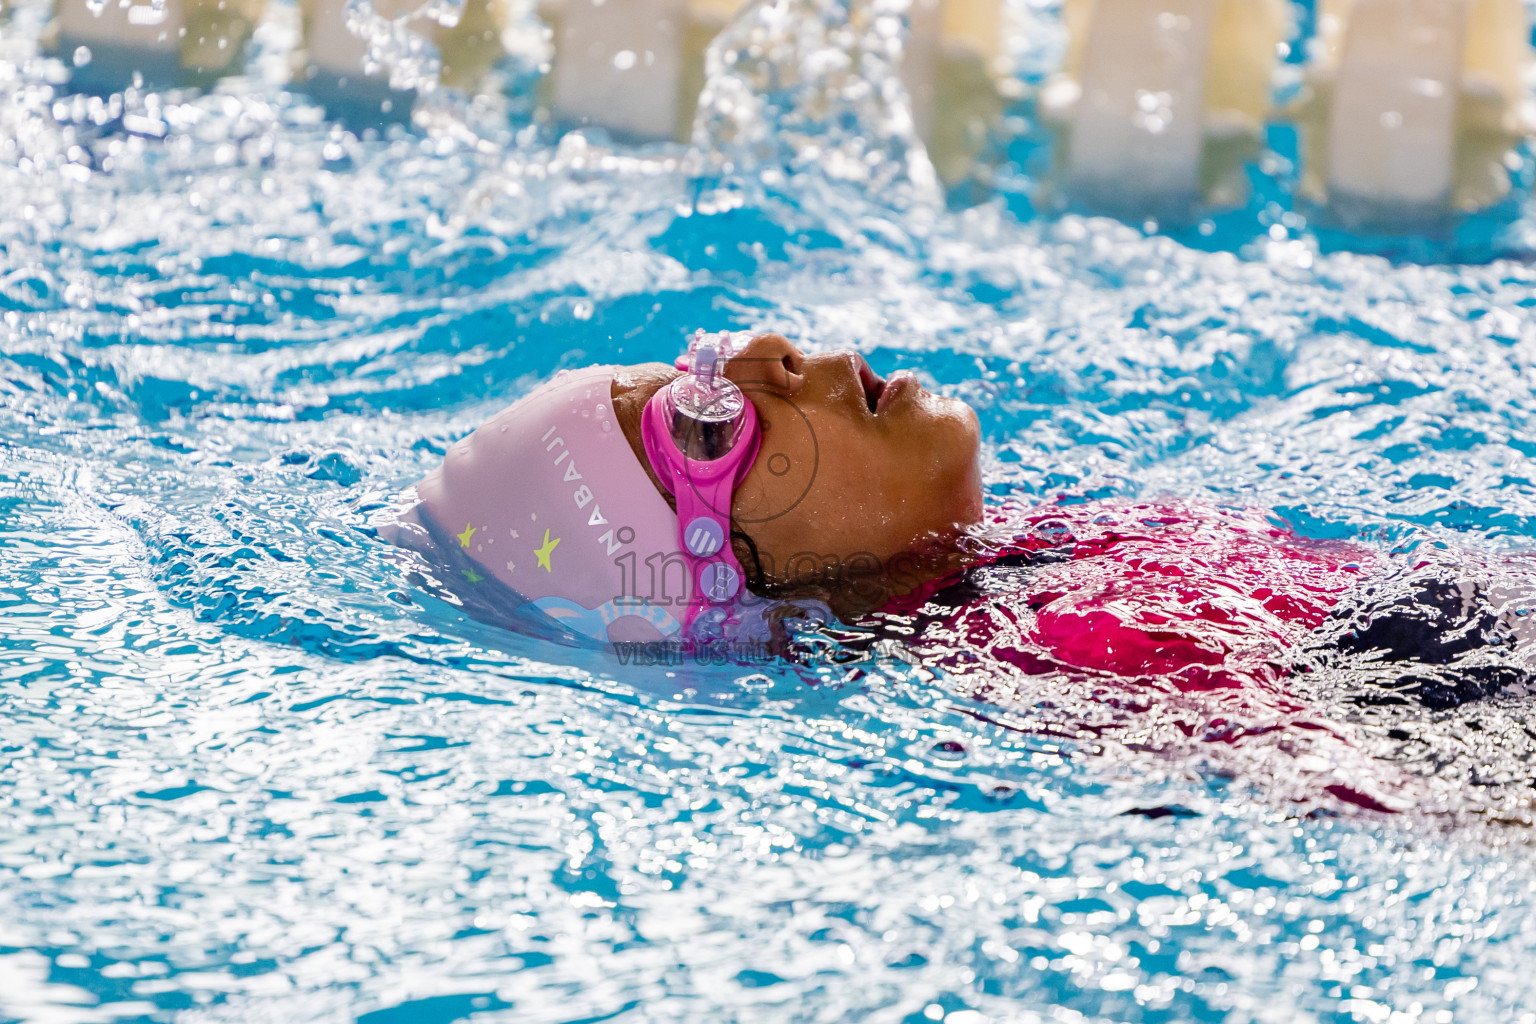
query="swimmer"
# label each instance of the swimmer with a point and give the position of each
(752, 485)
(644, 503)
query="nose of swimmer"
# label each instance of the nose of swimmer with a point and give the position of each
(769, 360)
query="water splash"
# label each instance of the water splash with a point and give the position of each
(396, 44)
(251, 774)
(798, 84)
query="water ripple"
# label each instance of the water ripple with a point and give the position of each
(254, 772)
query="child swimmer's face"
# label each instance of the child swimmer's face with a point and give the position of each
(854, 470)
(862, 487)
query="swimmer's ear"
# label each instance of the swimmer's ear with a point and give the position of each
(768, 360)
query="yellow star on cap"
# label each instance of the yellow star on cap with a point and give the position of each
(464, 537)
(544, 552)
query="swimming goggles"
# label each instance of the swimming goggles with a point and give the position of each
(701, 437)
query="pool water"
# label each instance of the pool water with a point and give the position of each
(251, 774)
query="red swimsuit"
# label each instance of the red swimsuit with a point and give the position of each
(1201, 596)
(1164, 626)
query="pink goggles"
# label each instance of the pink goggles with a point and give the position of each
(701, 436)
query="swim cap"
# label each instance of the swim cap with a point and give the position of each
(549, 500)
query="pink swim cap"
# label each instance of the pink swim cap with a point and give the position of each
(549, 500)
